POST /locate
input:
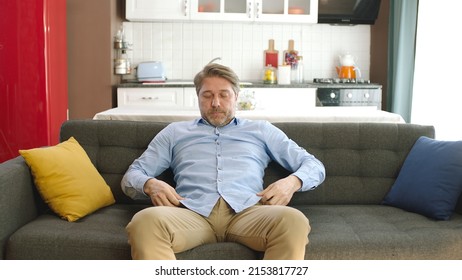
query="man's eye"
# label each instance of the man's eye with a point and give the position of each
(224, 94)
(206, 95)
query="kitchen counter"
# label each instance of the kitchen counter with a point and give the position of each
(248, 84)
(317, 114)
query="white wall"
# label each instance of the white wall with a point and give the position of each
(437, 95)
(185, 48)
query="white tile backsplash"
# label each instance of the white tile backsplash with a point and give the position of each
(185, 47)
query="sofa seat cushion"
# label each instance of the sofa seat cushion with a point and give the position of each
(337, 232)
(380, 232)
(220, 251)
(100, 235)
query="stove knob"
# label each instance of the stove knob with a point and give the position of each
(367, 95)
(332, 95)
(350, 95)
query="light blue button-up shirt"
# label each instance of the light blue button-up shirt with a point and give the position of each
(211, 162)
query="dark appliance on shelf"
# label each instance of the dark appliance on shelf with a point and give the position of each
(341, 92)
(348, 11)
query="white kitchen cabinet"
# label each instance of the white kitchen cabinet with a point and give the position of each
(300, 11)
(222, 10)
(152, 97)
(185, 98)
(272, 99)
(283, 99)
(190, 98)
(152, 10)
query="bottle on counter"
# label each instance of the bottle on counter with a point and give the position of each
(300, 77)
(291, 58)
(271, 55)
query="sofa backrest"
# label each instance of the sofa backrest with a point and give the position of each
(362, 160)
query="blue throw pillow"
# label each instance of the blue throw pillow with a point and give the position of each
(430, 180)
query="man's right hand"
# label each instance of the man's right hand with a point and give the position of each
(161, 193)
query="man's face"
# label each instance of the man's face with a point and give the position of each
(217, 101)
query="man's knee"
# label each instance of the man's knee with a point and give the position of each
(294, 220)
(150, 217)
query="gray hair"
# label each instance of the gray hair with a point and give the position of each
(217, 70)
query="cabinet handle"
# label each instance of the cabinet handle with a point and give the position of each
(258, 10)
(185, 8)
(250, 9)
(149, 98)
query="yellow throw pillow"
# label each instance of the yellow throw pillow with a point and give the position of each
(67, 180)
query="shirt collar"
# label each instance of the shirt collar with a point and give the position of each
(234, 121)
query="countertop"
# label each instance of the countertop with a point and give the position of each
(317, 114)
(248, 84)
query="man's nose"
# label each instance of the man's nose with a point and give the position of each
(216, 102)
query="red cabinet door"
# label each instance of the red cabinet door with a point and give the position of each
(33, 74)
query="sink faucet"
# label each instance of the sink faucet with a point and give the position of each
(215, 59)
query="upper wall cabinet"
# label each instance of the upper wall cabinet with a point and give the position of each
(291, 11)
(300, 11)
(154, 10)
(222, 10)
(296, 11)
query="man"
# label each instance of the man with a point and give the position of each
(218, 163)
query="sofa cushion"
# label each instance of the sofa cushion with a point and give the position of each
(366, 232)
(430, 181)
(67, 180)
(101, 236)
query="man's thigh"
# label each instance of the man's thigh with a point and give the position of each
(253, 226)
(184, 228)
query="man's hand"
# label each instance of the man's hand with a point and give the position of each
(281, 191)
(161, 193)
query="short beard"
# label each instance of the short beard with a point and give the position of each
(227, 119)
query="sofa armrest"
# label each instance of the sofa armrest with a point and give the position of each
(17, 202)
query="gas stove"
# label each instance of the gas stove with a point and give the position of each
(340, 81)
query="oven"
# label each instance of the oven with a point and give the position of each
(334, 92)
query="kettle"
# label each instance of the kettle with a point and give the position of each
(347, 69)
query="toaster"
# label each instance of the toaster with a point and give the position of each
(151, 71)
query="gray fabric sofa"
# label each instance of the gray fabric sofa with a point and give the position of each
(347, 217)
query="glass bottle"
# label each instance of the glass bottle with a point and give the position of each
(300, 77)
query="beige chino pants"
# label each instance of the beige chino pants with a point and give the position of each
(157, 233)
